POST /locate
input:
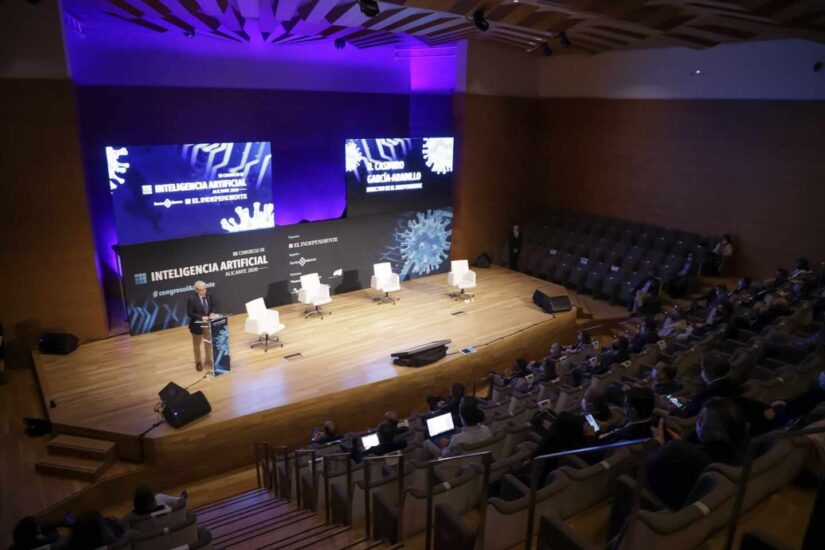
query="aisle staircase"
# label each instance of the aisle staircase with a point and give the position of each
(75, 457)
(258, 519)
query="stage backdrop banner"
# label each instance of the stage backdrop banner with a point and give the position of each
(237, 268)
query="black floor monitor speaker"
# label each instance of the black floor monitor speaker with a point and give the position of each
(186, 409)
(58, 343)
(552, 304)
(421, 355)
(172, 392)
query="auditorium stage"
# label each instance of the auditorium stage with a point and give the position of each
(108, 388)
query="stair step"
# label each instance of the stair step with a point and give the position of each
(72, 467)
(238, 509)
(82, 447)
(272, 535)
(262, 494)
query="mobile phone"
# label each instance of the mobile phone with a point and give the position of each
(592, 422)
(678, 404)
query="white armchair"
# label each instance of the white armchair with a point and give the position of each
(263, 323)
(461, 277)
(384, 280)
(313, 293)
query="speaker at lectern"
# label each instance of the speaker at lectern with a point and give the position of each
(216, 338)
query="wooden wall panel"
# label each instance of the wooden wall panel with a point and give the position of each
(495, 169)
(754, 169)
(48, 274)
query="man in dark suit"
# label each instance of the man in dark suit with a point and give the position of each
(514, 245)
(647, 335)
(199, 308)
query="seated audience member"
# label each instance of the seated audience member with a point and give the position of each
(571, 431)
(715, 295)
(664, 379)
(675, 465)
(645, 292)
(147, 501)
(472, 431)
(717, 382)
(325, 435)
(674, 323)
(801, 272)
(387, 443)
(618, 352)
(774, 308)
(719, 315)
(781, 278)
(548, 369)
(555, 352)
(32, 532)
(782, 412)
(583, 341)
(453, 400)
(92, 530)
(676, 286)
(520, 368)
(719, 256)
(647, 335)
(638, 406)
(392, 418)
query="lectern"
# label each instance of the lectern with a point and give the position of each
(216, 344)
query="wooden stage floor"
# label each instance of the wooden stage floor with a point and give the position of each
(108, 388)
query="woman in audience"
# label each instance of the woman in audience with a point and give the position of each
(645, 293)
(146, 501)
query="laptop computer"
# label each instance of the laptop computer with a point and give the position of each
(369, 441)
(440, 425)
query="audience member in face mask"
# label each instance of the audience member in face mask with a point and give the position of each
(782, 412)
(674, 467)
(716, 381)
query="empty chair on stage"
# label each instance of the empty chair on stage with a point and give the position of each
(461, 277)
(263, 323)
(384, 280)
(314, 294)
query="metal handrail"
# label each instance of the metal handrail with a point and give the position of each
(266, 471)
(747, 466)
(325, 472)
(486, 461)
(637, 495)
(368, 460)
(298, 490)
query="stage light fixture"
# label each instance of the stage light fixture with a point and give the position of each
(369, 7)
(479, 21)
(340, 43)
(546, 49)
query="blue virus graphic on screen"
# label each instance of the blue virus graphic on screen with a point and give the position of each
(117, 168)
(258, 219)
(221, 345)
(422, 242)
(354, 156)
(438, 154)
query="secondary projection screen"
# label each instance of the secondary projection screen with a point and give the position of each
(162, 192)
(394, 174)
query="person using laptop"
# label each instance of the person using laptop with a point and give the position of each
(472, 431)
(380, 443)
